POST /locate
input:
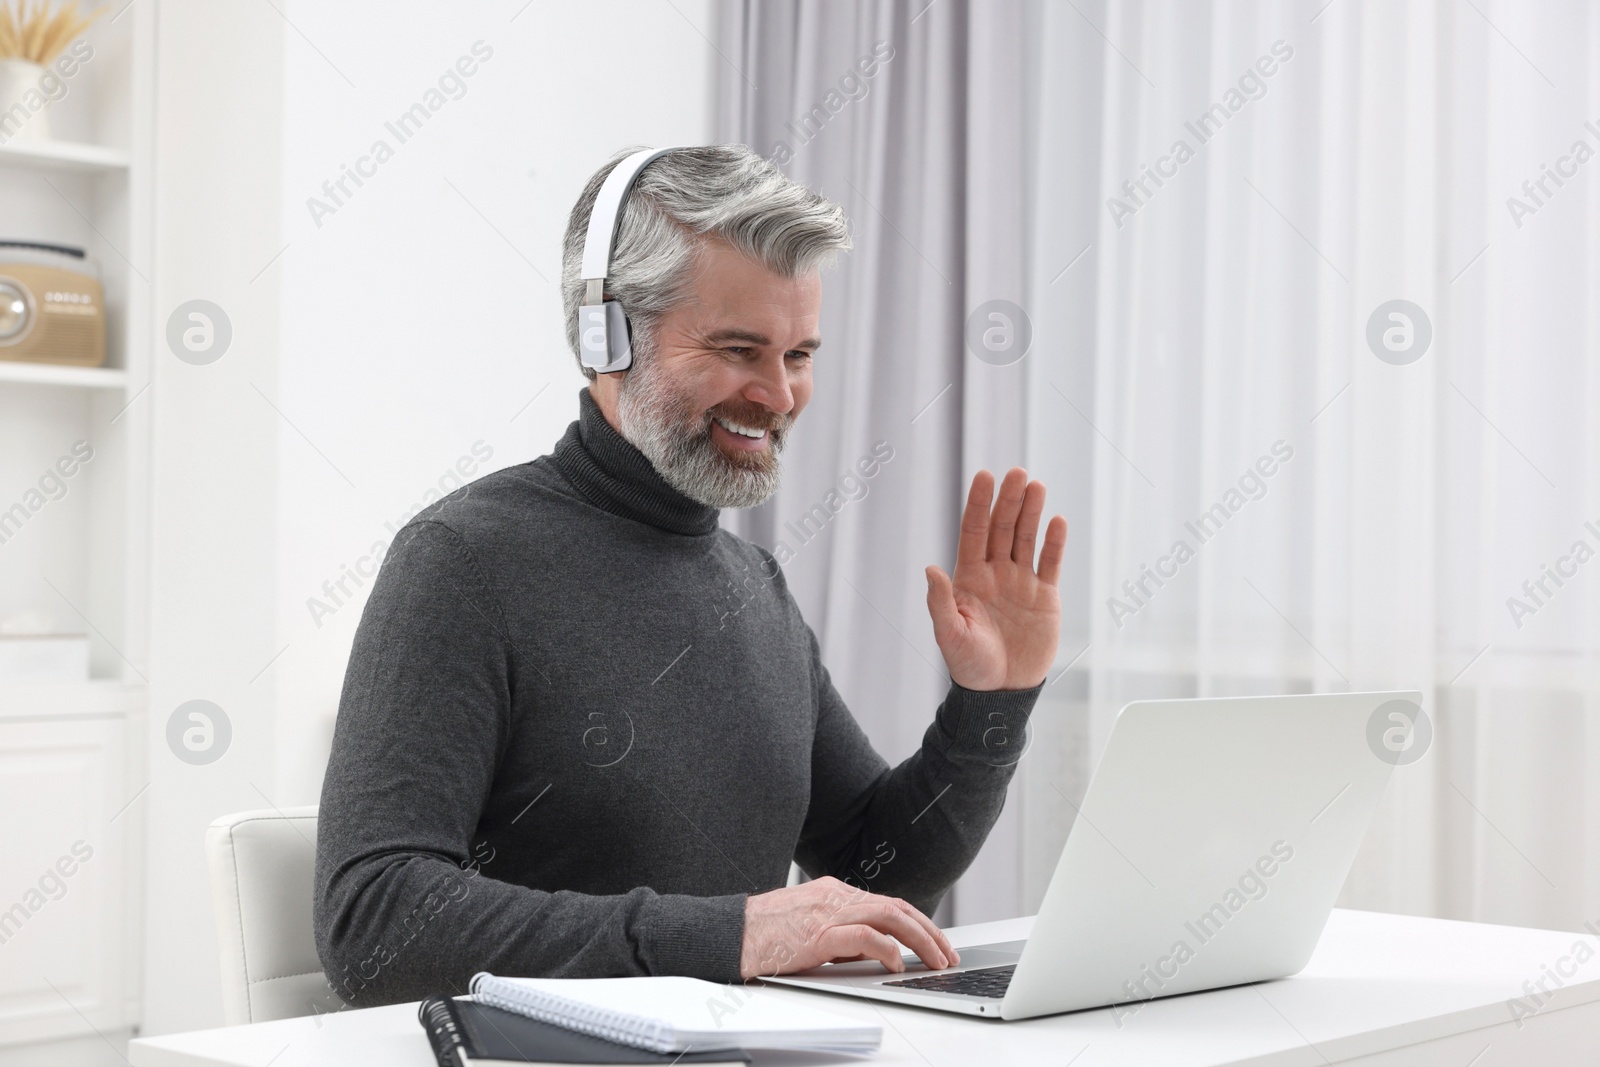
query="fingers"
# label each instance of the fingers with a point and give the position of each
(1055, 548)
(1028, 524)
(862, 942)
(867, 899)
(975, 520)
(1003, 522)
(942, 605)
(951, 956)
(900, 920)
(860, 906)
(799, 927)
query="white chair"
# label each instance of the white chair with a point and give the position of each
(261, 866)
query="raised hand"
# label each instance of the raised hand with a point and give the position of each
(998, 620)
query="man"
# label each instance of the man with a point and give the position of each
(556, 753)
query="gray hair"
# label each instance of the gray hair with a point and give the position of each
(721, 191)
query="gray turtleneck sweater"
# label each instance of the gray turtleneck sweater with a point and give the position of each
(560, 753)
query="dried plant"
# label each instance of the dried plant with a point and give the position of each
(38, 33)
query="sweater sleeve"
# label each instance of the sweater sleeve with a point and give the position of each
(912, 830)
(401, 909)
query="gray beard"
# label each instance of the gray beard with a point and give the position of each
(675, 436)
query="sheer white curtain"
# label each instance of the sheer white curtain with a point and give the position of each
(1207, 323)
(890, 109)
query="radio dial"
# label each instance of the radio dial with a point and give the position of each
(13, 311)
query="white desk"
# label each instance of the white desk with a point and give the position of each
(1383, 990)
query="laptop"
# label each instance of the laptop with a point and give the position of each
(1214, 838)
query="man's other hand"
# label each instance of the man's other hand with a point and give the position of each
(998, 620)
(828, 921)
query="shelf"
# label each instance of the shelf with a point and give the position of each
(39, 700)
(71, 156)
(52, 374)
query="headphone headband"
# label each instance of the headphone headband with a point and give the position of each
(604, 345)
(607, 212)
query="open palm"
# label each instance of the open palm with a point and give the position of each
(998, 620)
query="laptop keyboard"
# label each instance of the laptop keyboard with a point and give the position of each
(987, 982)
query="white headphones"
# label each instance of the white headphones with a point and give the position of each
(603, 342)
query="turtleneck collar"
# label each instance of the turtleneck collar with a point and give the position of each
(614, 475)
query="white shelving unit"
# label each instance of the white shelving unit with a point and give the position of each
(65, 157)
(71, 377)
(72, 754)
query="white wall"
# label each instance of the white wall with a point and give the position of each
(410, 325)
(213, 464)
(423, 315)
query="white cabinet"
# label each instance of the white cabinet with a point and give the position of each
(68, 884)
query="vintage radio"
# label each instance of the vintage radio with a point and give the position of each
(52, 309)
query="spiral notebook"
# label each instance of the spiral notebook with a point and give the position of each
(674, 1014)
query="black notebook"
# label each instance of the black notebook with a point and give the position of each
(463, 1033)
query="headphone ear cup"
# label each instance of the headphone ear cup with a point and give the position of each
(619, 338)
(625, 338)
(603, 337)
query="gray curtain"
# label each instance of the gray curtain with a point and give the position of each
(910, 115)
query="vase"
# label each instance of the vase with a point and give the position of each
(24, 109)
